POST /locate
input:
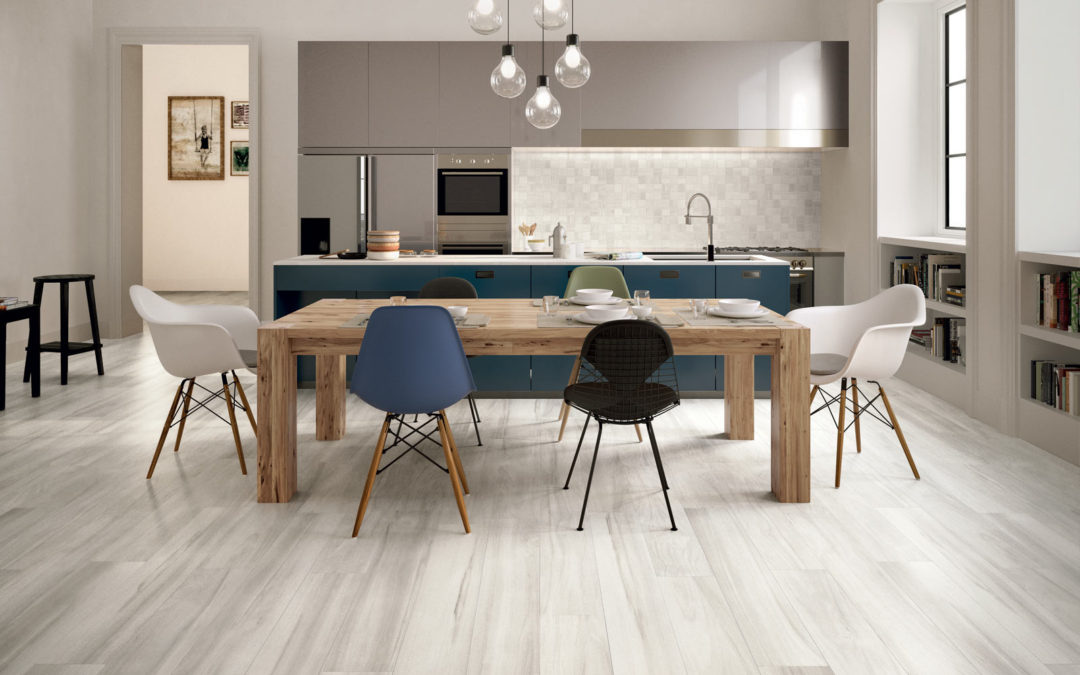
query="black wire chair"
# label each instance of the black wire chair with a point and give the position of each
(627, 376)
(453, 288)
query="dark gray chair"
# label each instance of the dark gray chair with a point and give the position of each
(454, 288)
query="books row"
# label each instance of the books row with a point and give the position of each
(934, 273)
(12, 302)
(1059, 300)
(1056, 384)
(946, 339)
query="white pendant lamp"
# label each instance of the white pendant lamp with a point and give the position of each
(508, 78)
(543, 109)
(484, 16)
(572, 70)
(551, 14)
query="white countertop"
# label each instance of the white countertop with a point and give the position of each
(485, 260)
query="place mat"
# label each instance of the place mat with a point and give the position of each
(563, 319)
(471, 320)
(710, 320)
(565, 305)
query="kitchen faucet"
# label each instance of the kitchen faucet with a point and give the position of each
(708, 219)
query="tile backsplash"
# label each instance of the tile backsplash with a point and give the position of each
(637, 199)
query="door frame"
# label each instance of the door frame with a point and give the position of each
(119, 37)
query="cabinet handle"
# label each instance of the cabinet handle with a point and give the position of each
(751, 274)
(485, 274)
(669, 274)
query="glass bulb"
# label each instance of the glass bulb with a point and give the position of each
(508, 79)
(551, 14)
(484, 17)
(572, 70)
(543, 110)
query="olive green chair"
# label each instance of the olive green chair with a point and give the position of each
(592, 276)
(597, 276)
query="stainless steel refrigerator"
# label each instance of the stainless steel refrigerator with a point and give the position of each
(357, 193)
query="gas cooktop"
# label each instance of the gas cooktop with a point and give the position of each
(763, 249)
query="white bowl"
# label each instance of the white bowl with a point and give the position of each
(605, 312)
(738, 305)
(458, 311)
(641, 311)
(538, 245)
(594, 294)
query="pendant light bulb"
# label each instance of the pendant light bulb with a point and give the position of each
(551, 14)
(508, 78)
(484, 16)
(572, 70)
(543, 109)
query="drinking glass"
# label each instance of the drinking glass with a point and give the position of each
(551, 305)
(641, 297)
(397, 299)
(699, 307)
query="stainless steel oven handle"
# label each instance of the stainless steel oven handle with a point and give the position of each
(472, 173)
(799, 275)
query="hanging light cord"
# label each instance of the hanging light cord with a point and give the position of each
(543, 19)
(571, 16)
(507, 21)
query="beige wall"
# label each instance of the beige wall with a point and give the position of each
(195, 232)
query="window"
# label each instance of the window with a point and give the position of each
(956, 119)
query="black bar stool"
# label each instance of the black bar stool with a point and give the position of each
(64, 347)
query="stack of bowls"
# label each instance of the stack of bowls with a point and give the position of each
(594, 295)
(383, 244)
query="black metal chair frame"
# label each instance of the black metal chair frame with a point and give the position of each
(592, 373)
(411, 446)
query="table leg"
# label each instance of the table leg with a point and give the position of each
(3, 361)
(277, 417)
(739, 396)
(329, 397)
(33, 352)
(791, 416)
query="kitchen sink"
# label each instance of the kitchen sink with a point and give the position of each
(695, 256)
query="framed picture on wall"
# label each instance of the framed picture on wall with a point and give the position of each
(239, 162)
(240, 110)
(196, 137)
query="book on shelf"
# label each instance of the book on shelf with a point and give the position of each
(1058, 300)
(934, 273)
(954, 295)
(921, 337)
(947, 339)
(1056, 384)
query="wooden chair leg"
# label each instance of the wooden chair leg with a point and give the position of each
(899, 434)
(564, 412)
(183, 415)
(840, 429)
(165, 429)
(376, 457)
(247, 406)
(855, 404)
(451, 465)
(454, 450)
(813, 393)
(232, 423)
(638, 430)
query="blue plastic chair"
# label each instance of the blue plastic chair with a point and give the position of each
(411, 362)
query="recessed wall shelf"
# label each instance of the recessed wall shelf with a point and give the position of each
(1061, 337)
(950, 244)
(1061, 258)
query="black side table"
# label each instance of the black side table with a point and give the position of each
(64, 347)
(33, 346)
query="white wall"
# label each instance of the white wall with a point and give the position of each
(1048, 125)
(195, 232)
(46, 155)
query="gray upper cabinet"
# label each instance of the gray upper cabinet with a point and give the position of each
(470, 113)
(567, 133)
(403, 95)
(333, 94)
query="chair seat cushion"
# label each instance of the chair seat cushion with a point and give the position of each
(827, 364)
(250, 356)
(621, 404)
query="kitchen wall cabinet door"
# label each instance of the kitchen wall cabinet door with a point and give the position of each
(471, 115)
(565, 134)
(403, 95)
(332, 94)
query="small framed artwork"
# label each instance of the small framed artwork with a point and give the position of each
(196, 137)
(240, 111)
(239, 153)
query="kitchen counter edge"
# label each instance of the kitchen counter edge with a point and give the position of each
(527, 260)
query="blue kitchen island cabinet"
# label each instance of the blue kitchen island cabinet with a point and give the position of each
(301, 281)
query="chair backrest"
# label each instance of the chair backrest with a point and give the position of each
(411, 361)
(448, 288)
(873, 333)
(186, 345)
(597, 276)
(628, 354)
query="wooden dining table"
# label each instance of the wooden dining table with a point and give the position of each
(319, 329)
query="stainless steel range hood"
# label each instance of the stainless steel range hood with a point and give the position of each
(744, 139)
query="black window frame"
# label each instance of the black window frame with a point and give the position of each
(947, 88)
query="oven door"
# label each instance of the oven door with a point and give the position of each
(472, 249)
(473, 192)
(802, 288)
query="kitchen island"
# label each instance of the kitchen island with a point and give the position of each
(302, 280)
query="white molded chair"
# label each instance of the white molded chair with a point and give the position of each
(196, 340)
(866, 341)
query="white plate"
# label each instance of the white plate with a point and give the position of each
(608, 301)
(584, 318)
(716, 311)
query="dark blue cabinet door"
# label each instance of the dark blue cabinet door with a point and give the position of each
(770, 285)
(494, 281)
(550, 279)
(369, 281)
(550, 373)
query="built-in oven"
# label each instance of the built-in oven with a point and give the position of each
(473, 204)
(801, 280)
